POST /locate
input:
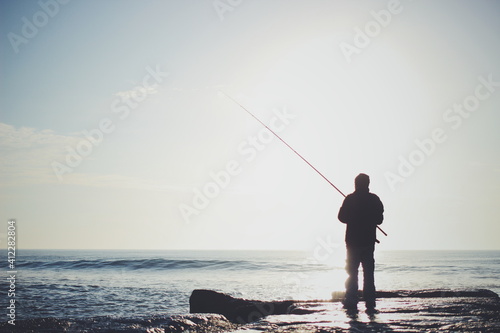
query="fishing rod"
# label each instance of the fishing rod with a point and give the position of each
(286, 144)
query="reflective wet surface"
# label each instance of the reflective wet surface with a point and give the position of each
(439, 312)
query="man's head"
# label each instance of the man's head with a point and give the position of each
(361, 182)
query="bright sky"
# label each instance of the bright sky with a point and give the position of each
(113, 127)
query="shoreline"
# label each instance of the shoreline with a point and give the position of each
(401, 310)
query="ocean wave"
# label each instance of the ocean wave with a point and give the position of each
(166, 264)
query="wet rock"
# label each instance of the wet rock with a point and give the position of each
(437, 310)
(400, 311)
(237, 310)
(453, 293)
(428, 293)
(206, 323)
(36, 325)
(198, 323)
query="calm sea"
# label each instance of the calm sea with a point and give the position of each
(83, 284)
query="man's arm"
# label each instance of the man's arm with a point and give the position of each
(380, 210)
(344, 212)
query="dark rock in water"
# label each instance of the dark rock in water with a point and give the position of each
(237, 310)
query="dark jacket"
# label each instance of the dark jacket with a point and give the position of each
(362, 211)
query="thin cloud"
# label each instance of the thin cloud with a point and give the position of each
(26, 137)
(117, 181)
(27, 154)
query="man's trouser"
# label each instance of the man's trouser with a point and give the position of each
(360, 255)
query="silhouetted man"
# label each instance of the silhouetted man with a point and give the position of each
(361, 211)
